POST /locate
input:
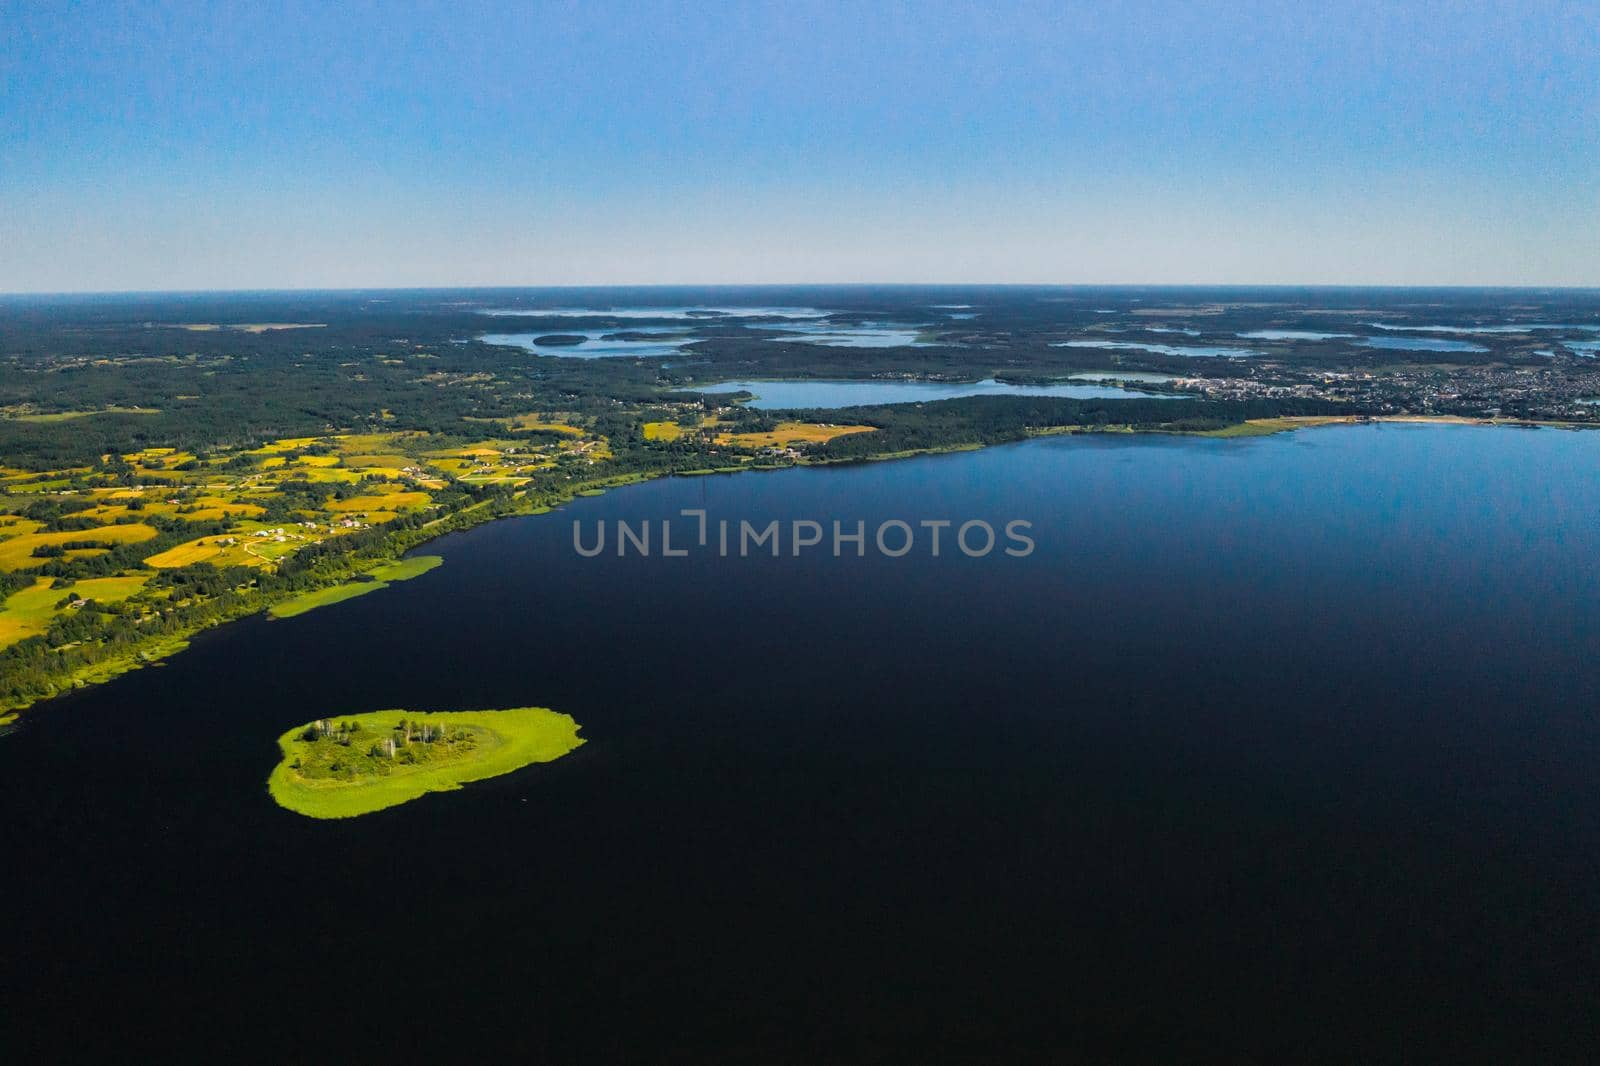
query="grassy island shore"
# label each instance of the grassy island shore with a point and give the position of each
(372, 581)
(342, 768)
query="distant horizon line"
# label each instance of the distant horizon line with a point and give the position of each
(665, 285)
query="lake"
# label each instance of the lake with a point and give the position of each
(668, 313)
(1526, 327)
(785, 395)
(865, 335)
(1274, 748)
(1292, 335)
(1194, 350)
(595, 345)
(1420, 344)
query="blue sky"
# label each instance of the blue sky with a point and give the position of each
(319, 145)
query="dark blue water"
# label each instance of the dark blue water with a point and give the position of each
(1279, 748)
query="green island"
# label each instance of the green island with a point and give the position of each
(342, 768)
(371, 581)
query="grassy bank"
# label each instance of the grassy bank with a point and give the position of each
(373, 580)
(367, 762)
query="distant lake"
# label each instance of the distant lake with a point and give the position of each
(692, 312)
(1421, 344)
(594, 346)
(1196, 350)
(1293, 335)
(862, 336)
(784, 395)
(1283, 748)
(1145, 376)
(1529, 327)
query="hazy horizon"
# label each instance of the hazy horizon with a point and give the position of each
(234, 147)
(713, 286)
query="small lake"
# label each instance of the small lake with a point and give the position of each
(696, 312)
(1292, 335)
(1421, 344)
(1529, 327)
(596, 344)
(867, 335)
(1147, 377)
(1195, 350)
(786, 395)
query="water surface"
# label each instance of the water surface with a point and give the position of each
(597, 343)
(695, 312)
(1526, 327)
(866, 335)
(783, 395)
(1293, 335)
(1421, 344)
(1279, 748)
(1194, 350)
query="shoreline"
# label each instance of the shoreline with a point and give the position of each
(159, 649)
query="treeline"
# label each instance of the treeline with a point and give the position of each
(997, 419)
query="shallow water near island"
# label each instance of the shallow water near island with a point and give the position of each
(1274, 745)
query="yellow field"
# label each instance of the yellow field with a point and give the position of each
(789, 433)
(530, 423)
(212, 549)
(217, 507)
(22, 415)
(29, 612)
(17, 553)
(287, 444)
(367, 443)
(662, 431)
(319, 474)
(388, 501)
(379, 462)
(110, 589)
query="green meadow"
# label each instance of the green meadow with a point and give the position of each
(382, 577)
(341, 768)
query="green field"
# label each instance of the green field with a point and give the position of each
(341, 768)
(29, 612)
(382, 577)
